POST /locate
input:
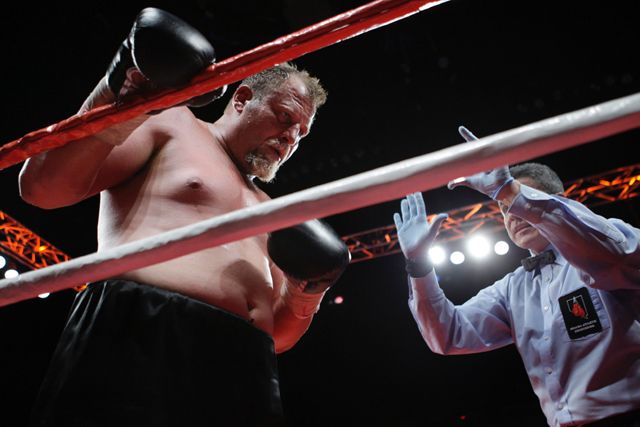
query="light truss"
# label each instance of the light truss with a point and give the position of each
(25, 246)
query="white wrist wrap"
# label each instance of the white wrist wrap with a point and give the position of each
(302, 305)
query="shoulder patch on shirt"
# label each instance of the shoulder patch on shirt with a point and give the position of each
(580, 317)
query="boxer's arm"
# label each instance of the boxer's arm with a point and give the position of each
(68, 174)
(311, 257)
(160, 51)
(287, 327)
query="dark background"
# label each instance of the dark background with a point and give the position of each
(394, 93)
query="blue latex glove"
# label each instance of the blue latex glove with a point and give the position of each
(415, 234)
(489, 183)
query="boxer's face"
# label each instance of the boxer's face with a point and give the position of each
(271, 128)
(521, 232)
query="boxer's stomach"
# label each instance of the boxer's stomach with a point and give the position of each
(234, 277)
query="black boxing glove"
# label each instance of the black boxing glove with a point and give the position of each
(313, 257)
(161, 51)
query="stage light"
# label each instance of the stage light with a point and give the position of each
(10, 274)
(501, 247)
(44, 295)
(478, 246)
(456, 257)
(338, 300)
(437, 255)
(3, 261)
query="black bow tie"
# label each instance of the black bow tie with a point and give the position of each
(538, 261)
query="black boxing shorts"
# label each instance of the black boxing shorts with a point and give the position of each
(136, 355)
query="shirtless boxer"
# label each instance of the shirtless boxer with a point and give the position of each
(189, 341)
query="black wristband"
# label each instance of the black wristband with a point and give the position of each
(418, 268)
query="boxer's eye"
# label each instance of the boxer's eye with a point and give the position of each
(285, 117)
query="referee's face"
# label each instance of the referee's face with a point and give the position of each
(522, 233)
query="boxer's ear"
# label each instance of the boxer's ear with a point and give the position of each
(241, 96)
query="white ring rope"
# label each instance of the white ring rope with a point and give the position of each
(376, 186)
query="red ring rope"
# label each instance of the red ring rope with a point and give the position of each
(325, 33)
